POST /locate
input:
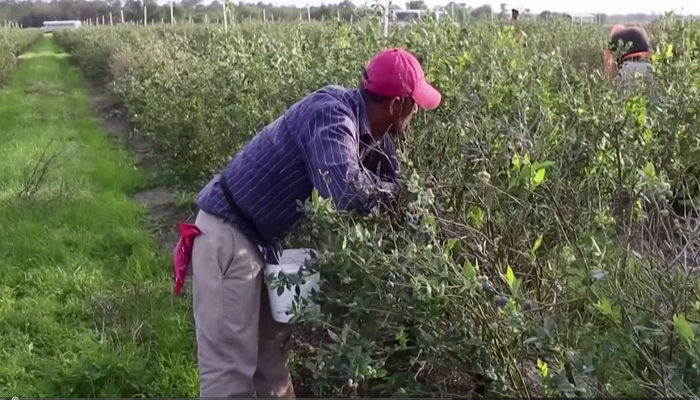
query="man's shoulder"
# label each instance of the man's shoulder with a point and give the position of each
(331, 96)
(335, 91)
(331, 103)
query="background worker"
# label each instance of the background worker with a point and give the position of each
(628, 54)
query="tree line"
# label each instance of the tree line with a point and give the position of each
(34, 13)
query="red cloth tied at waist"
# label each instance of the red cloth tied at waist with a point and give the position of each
(182, 256)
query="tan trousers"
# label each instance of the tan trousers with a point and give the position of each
(242, 351)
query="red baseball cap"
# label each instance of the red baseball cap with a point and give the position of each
(616, 28)
(397, 73)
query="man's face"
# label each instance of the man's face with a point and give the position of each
(401, 111)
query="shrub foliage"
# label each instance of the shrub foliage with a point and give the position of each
(543, 245)
(12, 42)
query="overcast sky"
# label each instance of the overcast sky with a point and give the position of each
(571, 6)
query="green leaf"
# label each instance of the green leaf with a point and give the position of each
(451, 244)
(516, 162)
(539, 176)
(314, 197)
(597, 275)
(431, 221)
(669, 50)
(536, 246)
(542, 366)
(649, 170)
(561, 381)
(533, 339)
(334, 336)
(510, 277)
(684, 329)
(525, 172)
(550, 327)
(545, 164)
(428, 288)
(358, 231)
(469, 270)
(604, 306)
(476, 215)
(516, 287)
(344, 334)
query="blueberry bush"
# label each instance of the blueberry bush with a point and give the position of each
(12, 43)
(546, 241)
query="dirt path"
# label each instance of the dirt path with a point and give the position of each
(165, 213)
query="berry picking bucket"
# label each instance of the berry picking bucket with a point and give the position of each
(290, 263)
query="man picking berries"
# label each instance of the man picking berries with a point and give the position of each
(335, 140)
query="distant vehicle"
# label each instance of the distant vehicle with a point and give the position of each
(50, 26)
(406, 17)
(583, 18)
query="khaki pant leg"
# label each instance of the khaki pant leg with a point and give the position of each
(227, 283)
(272, 377)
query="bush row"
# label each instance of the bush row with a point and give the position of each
(12, 42)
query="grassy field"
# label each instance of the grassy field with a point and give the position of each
(86, 304)
(542, 247)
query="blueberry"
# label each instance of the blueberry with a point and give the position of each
(422, 237)
(448, 328)
(486, 287)
(310, 212)
(314, 232)
(389, 285)
(501, 301)
(392, 277)
(527, 306)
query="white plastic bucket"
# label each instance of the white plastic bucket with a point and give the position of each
(290, 262)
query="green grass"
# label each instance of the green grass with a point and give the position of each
(86, 302)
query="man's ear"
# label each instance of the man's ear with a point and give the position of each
(395, 106)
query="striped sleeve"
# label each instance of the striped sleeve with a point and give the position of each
(332, 157)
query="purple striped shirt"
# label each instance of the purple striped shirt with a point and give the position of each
(321, 142)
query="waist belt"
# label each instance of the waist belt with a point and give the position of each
(232, 203)
(270, 251)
